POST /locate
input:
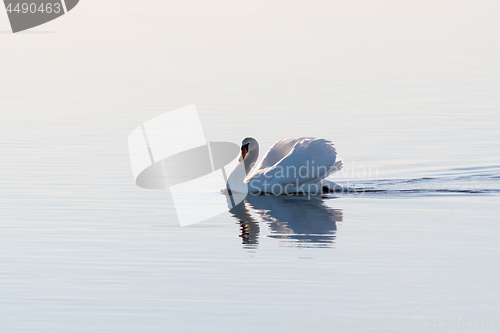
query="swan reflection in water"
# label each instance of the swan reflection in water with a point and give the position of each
(299, 221)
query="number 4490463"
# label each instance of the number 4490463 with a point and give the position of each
(34, 8)
(471, 324)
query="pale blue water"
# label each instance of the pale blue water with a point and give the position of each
(408, 93)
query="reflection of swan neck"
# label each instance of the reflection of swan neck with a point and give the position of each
(249, 227)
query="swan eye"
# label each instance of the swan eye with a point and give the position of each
(245, 147)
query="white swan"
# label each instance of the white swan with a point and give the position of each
(290, 166)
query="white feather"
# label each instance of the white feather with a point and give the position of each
(294, 165)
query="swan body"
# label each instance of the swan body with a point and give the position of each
(290, 166)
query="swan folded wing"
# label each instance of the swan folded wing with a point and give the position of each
(309, 161)
(277, 152)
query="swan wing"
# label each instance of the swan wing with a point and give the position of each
(309, 160)
(276, 153)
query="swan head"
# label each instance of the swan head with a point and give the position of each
(248, 145)
(249, 153)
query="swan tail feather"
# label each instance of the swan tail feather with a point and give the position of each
(337, 166)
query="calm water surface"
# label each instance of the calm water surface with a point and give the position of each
(408, 93)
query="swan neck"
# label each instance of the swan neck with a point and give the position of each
(250, 160)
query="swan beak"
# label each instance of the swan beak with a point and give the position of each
(244, 152)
